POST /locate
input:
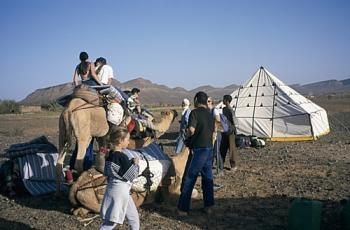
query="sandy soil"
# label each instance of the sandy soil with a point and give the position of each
(256, 196)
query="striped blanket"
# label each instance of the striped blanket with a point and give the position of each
(37, 161)
(38, 173)
(159, 163)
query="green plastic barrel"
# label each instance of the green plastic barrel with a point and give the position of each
(304, 215)
(346, 215)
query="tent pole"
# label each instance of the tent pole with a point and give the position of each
(256, 94)
(312, 130)
(273, 107)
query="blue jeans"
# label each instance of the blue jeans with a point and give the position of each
(88, 158)
(217, 155)
(180, 142)
(199, 161)
(90, 82)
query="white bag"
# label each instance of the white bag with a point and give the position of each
(115, 113)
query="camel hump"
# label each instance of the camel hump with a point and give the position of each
(87, 94)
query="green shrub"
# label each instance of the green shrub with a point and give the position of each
(51, 106)
(9, 106)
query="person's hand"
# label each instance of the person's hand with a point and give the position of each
(135, 160)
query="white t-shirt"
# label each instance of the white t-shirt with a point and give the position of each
(105, 74)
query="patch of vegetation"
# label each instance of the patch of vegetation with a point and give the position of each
(9, 106)
(51, 106)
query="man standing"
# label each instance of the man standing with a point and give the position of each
(228, 139)
(200, 131)
(183, 126)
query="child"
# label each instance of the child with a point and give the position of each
(120, 171)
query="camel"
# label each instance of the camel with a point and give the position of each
(87, 192)
(85, 120)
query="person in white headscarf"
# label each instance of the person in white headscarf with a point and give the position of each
(186, 110)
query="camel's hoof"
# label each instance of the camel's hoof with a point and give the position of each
(80, 212)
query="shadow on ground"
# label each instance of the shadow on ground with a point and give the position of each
(13, 225)
(247, 213)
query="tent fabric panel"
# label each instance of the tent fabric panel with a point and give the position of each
(319, 122)
(246, 92)
(246, 102)
(262, 127)
(244, 112)
(263, 112)
(244, 126)
(265, 80)
(265, 91)
(283, 107)
(292, 126)
(266, 102)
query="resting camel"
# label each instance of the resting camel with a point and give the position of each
(85, 120)
(87, 192)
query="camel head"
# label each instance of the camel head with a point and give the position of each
(169, 114)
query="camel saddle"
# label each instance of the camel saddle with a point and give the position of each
(88, 94)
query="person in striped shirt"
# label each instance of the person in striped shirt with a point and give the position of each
(120, 171)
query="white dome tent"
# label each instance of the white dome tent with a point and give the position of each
(266, 107)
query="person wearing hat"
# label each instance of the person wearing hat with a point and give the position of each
(186, 110)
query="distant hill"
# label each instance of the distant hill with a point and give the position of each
(156, 94)
(323, 87)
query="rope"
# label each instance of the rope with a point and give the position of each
(146, 173)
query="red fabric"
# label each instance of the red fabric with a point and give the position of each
(69, 176)
(131, 125)
(103, 150)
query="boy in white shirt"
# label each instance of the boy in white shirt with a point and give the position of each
(104, 71)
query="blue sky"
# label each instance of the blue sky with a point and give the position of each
(185, 43)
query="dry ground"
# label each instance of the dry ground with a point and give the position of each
(257, 196)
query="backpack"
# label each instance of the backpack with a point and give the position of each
(243, 141)
(227, 127)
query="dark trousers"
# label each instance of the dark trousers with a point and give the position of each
(88, 158)
(225, 147)
(199, 161)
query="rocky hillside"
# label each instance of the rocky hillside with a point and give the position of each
(151, 93)
(155, 94)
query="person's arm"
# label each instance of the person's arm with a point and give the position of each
(133, 169)
(76, 77)
(191, 130)
(192, 122)
(93, 73)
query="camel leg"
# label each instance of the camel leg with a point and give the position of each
(83, 143)
(101, 155)
(59, 167)
(138, 198)
(81, 212)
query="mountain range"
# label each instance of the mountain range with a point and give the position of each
(156, 94)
